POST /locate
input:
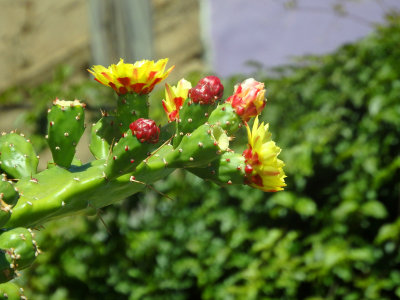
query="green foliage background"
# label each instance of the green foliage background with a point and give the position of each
(333, 234)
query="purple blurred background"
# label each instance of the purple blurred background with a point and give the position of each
(267, 32)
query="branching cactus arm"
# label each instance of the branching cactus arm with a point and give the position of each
(131, 152)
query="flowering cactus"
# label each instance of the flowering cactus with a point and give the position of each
(131, 151)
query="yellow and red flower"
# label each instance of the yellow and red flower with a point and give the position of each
(175, 96)
(263, 168)
(140, 77)
(248, 99)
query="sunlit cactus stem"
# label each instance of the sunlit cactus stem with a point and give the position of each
(17, 157)
(103, 134)
(11, 291)
(228, 169)
(66, 124)
(18, 250)
(8, 198)
(200, 147)
(131, 107)
(133, 147)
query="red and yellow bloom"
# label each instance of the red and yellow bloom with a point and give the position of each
(140, 77)
(175, 96)
(263, 168)
(248, 99)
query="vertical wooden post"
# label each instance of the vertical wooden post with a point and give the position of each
(120, 29)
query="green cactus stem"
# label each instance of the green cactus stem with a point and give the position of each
(226, 117)
(8, 198)
(56, 191)
(191, 116)
(81, 189)
(11, 291)
(65, 128)
(228, 169)
(130, 107)
(18, 250)
(199, 148)
(126, 155)
(104, 134)
(155, 167)
(133, 147)
(17, 156)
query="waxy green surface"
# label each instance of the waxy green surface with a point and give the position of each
(65, 128)
(104, 134)
(10, 291)
(131, 107)
(17, 157)
(18, 250)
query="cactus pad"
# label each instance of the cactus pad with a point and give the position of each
(65, 128)
(17, 156)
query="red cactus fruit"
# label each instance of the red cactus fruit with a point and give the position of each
(145, 130)
(207, 91)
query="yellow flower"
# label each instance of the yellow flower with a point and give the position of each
(248, 99)
(263, 168)
(175, 96)
(139, 78)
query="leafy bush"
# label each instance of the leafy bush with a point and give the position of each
(333, 234)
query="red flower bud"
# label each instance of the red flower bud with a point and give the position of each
(207, 91)
(248, 99)
(145, 130)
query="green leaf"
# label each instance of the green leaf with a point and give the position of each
(305, 207)
(374, 209)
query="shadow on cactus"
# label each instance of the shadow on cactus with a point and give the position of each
(131, 151)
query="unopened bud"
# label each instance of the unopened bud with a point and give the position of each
(207, 91)
(145, 130)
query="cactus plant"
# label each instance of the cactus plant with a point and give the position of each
(130, 151)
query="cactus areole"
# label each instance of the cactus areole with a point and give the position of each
(130, 152)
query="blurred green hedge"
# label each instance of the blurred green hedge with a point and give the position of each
(333, 234)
